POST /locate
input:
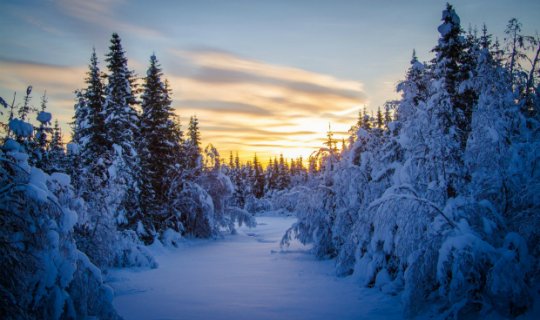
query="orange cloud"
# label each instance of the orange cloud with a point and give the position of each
(251, 106)
(243, 105)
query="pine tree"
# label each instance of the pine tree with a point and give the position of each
(90, 131)
(354, 129)
(360, 120)
(94, 154)
(121, 121)
(258, 178)
(238, 182)
(24, 111)
(414, 89)
(193, 147)
(95, 150)
(270, 177)
(451, 108)
(158, 149)
(120, 116)
(388, 105)
(454, 65)
(379, 119)
(231, 160)
(366, 120)
(41, 138)
(330, 142)
(57, 153)
(26, 108)
(284, 178)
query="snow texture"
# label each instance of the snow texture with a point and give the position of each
(21, 128)
(245, 276)
(44, 117)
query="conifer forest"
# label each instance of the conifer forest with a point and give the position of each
(427, 207)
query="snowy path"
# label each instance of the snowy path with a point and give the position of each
(245, 276)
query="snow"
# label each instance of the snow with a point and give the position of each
(445, 28)
(44, 117)
(245, 276)
(21, 128)
(451, 16)
(62, 178)
(37, 184)
(11, 145)
(73, 148)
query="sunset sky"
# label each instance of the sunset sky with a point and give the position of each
(262, 76)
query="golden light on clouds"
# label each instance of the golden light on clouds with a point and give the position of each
(59, 82)
(243, 105)
(249, 107)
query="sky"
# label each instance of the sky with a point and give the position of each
(265, 77)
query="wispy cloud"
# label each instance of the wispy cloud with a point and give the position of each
(104, 14)
(226, 106)
(243, 105)
(253, 106)
(58, 81)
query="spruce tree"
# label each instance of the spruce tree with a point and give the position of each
(92, 132)
(379, 119)
(387, 113)
(121, 121)
(258, 178)
(454, 65)
(366, 120)
(450, 109)
(231, 160)
(57, 154)
(284, 179)
(193, 147)
(24, 111)
(269, 177)
(91, 163)
(157, 150)
(26, 108)
(120, 116)
(41, 137)
(414, 89)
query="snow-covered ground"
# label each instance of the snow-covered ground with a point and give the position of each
(245, 276)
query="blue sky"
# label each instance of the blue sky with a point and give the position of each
(263, 76)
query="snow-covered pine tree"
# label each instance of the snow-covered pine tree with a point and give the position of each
(56, 151)
(239, 194)
(43, 273)
(193, 148)
(449, 108)
(100, 182)
(159, 148)
(41, 137)
(467, 251)
(24, 112)
(269, 178)
(26, 108)
(121, 124)
(90, 134)
(257, 181)
(379, 121)
(94, 149)
(454, 64)
(90, 130)
(413, 89)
